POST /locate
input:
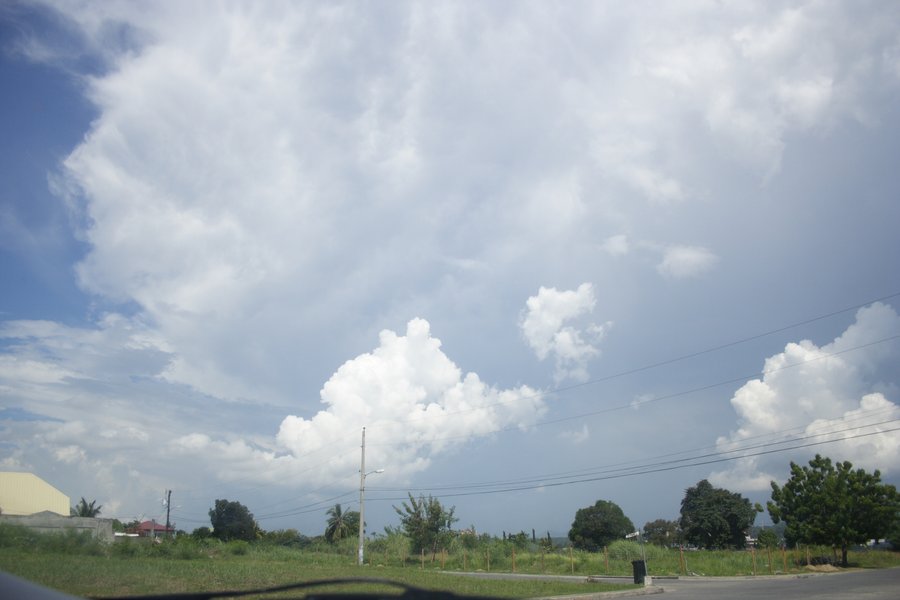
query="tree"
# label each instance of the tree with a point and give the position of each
(426, 523)
(232, 521)
(662, 532)
(767, 538)
(83, 509)
(827, 503)
(715, 517)
(341, 524)
(598, 525)
(201, 533)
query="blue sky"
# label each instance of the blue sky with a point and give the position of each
(525, 246)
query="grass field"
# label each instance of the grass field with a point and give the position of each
(109, 576)
(81, 566)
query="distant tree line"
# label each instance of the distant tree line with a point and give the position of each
(823, 503)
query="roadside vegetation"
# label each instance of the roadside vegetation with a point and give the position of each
(78, 564)
(824, 512)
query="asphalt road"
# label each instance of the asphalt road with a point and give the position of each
(875, 584)
(881, 584)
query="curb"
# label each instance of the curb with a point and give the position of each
(645, 591)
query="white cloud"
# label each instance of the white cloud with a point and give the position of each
(544, 325)
(681, 262)
(241, 156)
(414, 402)
(809, 391)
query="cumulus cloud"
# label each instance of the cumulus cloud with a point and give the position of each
(821, 393)
(414, 402)
(545, 325)
(681, 262)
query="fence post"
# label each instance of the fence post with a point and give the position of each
(465, 560)
(443, 558)
(572, 559)
(606, 558)
(753, 554)
(769, 554)
(681, 559)
(423, 559)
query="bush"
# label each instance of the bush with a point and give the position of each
(64, 542)
(238, 547)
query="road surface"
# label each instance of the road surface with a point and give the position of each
(879, 584)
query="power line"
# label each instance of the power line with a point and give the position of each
(646, 471)
(674, 360)
(619, 468)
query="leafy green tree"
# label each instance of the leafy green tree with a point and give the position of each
(598, 525)
(715, 518)
(290, 538)
(201, 533)
(767, 538)
(426, 522)
(519, 540)
(341, 525)
(833, 504)
(662, 532)
(83, 509)
(233, 521)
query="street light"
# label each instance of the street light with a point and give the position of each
(362, 497)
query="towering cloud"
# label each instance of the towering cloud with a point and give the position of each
(831, 392)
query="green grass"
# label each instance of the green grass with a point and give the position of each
(99, 576)
(88, 575)
(79, 565)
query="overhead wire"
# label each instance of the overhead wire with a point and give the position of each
(646, 471)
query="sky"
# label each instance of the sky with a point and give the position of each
(545, 254)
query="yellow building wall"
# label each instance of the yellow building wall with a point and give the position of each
(27, 494)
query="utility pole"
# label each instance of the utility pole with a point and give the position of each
(362, 497)
(168, 507)
(362, 492)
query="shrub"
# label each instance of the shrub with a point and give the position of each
(238, 547)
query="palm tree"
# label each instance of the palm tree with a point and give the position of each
(83, 509)
(340, 524)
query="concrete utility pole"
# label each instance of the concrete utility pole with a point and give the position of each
(362, 498)
(168, 507)
(362, 493)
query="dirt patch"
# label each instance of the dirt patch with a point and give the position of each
(822, 568)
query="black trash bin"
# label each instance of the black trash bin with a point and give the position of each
(640, 571)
